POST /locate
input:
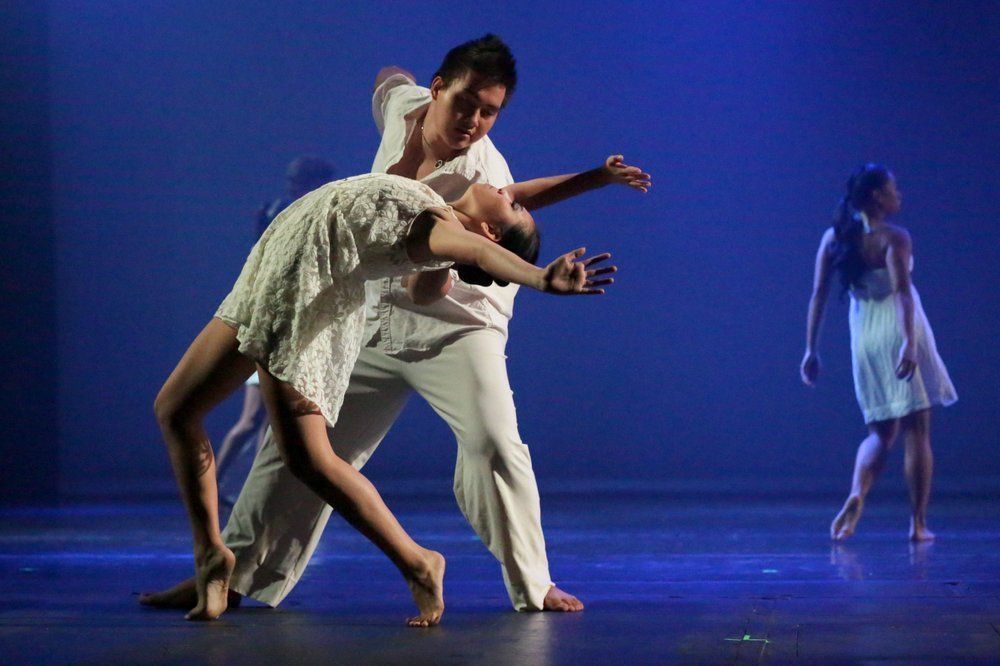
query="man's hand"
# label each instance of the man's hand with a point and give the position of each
(566, 275)
(616, 171)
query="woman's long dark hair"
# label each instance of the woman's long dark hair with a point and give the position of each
(848, 225)
(522, 241)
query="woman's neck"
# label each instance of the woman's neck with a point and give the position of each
(875, 217)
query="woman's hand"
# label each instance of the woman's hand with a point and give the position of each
(566, 275)
(907, 363)
(616, 171)
(809, 370)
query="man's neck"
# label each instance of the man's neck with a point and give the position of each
(434, 146)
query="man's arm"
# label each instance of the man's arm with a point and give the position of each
(386, 72)
(540, 192)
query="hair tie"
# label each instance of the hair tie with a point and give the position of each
(860, 216)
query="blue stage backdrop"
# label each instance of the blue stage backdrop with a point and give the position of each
(172, 121)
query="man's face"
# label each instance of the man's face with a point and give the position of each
(465, 110)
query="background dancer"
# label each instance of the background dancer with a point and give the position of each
(898, 375)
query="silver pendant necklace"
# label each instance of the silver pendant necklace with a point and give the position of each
(439, 163)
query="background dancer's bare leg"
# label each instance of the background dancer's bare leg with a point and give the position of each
(868, 464)
(919, 466)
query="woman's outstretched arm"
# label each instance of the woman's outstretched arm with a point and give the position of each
(568, 274)
(539, 192)
(897, 260)
(809, 370)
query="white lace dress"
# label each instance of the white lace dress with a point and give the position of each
(298, 304)
(876, 338)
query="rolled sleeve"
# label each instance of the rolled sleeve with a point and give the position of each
(390, 93)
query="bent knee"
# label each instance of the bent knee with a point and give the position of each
(885, 433)
(172, 415)
(488, 444)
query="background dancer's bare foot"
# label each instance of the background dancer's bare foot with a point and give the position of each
(561, 602)
(847, 520)
(919, 532)
(182, 596)
(427, 588)
(211, 581)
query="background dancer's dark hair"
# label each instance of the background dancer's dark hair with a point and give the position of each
(522, 241)
(488, 56)
(848, 227)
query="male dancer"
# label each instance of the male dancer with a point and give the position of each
(450, 351)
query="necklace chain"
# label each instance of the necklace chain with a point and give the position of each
(427, 144)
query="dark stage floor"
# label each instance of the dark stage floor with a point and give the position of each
(666, 577)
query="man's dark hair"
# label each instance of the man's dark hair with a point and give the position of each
(523, 240)
(487, 56)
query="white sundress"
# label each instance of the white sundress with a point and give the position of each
(298, 304)
(876, 338)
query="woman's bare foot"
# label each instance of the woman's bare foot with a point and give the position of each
(183, 596)
(427, 588)
(919, 532)
(562, 602)
(845, 522)
(211, 582)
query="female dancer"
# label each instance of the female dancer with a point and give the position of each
(296, 315)
(898, 374)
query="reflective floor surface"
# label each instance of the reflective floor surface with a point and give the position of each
(666, 577)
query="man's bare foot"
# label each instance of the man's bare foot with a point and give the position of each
(561, 602)
(182, 596)
(919, 532)
(211, 582)
(427, 588)
(845, 522)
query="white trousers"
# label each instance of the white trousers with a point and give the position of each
(277, 521)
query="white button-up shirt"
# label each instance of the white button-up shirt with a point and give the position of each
(402, 325)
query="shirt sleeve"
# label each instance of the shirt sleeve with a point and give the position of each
(493, 164)
(388, 93)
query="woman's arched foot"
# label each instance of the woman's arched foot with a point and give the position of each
(920, 532)
(427, 588)
(561, 602)
(211, 581)
(847, 520)
(182, 596)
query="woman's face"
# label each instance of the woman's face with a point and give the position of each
(889, 197)
(498, 210)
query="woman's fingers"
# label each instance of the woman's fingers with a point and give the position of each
(597, 258)
(602, 271)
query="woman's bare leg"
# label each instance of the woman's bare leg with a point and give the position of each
(868, 464)
(918, 463)
(300, 431)
(211, 369)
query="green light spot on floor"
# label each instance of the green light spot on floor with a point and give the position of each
(747, 638)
